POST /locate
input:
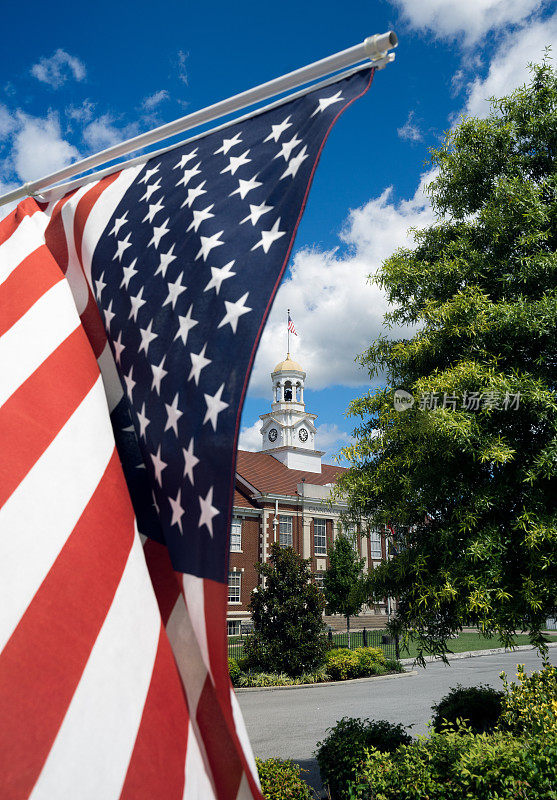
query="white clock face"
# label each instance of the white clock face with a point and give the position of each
(303, 434)
(273, 435)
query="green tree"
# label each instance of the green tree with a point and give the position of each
(471, 487)
(287, 616)
(344, 584)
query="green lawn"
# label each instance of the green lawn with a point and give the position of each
(472, 641)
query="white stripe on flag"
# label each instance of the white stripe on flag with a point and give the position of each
(37, 519)
(111, 380)
(243, 735)
(198, 783)
(100, 215)
(195, 602)
(27, 237)
(186, 651)
(29, 342)
(90, 755)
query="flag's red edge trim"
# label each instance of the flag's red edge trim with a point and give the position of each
(273, 294)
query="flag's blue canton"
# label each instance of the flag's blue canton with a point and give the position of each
(184, 274)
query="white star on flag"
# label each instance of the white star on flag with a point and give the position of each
(245, 186)
(166, 259)
(100, 284)
(208, 511)
(150, 189)
(190, 461)
(175, 290)
(325, 102)
(136, 303)
(234, 311)
(158, 374)
(189, 174)
(198, 362)
(236, 162)
(153, 211)
(255, 212)
(122, 246)
(143, 421)
(159, 465)
(109, 316)
(158, 232)
(214, 406)
(268, 237)
(193, 194)
(227, 144)
(287, 148)
(130, 383)
(185, 159)
(118, 222)
(129, 272)
(148, 175)
(207, 244)
(295, 163)
(147, 337)
(200, 216)
(177, 510)
(173, 415)
(218, 275)
(278, 130)
(185, 325)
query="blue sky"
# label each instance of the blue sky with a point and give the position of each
(72, 84)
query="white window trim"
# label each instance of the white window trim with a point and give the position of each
(319, 552)
(286, 519)
(237, 602)
(236, 519)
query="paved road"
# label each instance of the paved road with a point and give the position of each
(288, 723)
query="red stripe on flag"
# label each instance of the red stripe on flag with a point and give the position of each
(163, 577)
(55, 235)
(44, 659)
(34, 414)
(35, 275)
(220, 747)
(157, 765)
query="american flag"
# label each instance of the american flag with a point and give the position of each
(130, 313)
(291, 327)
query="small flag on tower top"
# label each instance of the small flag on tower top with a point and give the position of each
(291, 327)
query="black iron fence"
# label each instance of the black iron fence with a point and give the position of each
(364, 638)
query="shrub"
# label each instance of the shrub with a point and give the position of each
(479, 706)
(281, 780)
(261, 679)
(340, 753)
(234, 670)
(457, 764)
(530, 706)
(342, 664)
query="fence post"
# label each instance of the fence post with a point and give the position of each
(397, 648)
(364, 638)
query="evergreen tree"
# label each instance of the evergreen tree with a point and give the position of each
(287, 616)
(468, 474)
(344, 584)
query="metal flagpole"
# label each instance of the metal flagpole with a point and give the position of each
(374, 48)
(288, 332)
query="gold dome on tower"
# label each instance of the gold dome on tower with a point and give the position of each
(287, 365)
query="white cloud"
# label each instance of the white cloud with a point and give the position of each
(182, 71)
(155, 99)
(250, 437)
(410, 131)
(103, 133)
(7, 122)
(39, 148)
(337, 313)
(472, 19)
(508, 68)
(82, 113)
(57, 69)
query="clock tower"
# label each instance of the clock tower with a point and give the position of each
(288, 432)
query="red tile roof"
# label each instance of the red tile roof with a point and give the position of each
(268, 475)
(240, 501)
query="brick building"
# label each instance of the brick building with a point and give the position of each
(283, 495)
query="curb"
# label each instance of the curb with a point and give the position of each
(239, 689)
(476, 653)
